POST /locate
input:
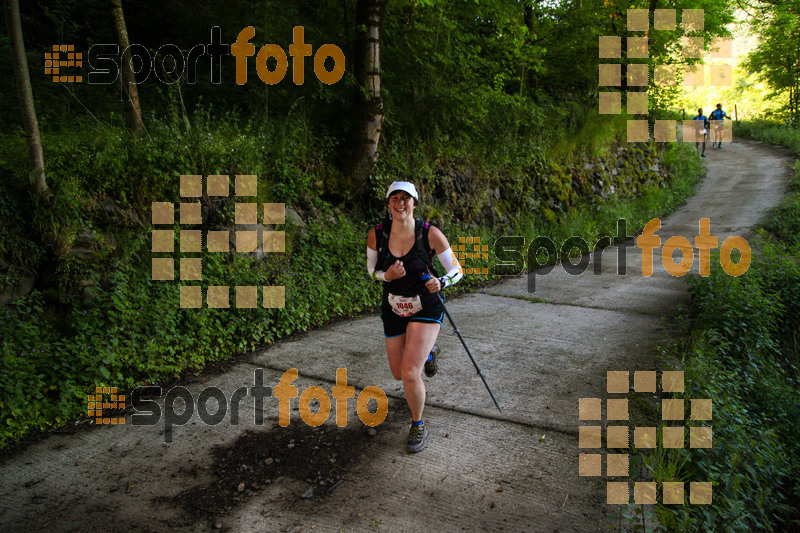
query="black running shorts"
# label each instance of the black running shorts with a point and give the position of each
(394, 325)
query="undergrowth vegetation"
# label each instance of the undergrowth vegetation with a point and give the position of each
(770, 132)
(743, 353)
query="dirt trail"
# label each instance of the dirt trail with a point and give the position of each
(515, 471)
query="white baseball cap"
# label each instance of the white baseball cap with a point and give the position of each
(406, 186)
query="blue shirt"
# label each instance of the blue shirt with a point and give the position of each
(718, 114)
(703, 118)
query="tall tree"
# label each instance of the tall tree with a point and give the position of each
(777, 58)
(23, 81)
(369, 111)
(528, 7)
(133, 112)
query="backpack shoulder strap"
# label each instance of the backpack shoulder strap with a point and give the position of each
(421, 230)
(382, 231)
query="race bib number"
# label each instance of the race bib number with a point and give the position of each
(405, 306)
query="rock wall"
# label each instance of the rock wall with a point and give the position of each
(545, 189)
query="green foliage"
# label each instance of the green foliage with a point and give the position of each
(770, 131)
(777, 59)
(743, 355)
(742, 309)
(19, 253)
(785, 223)
(753, 465)
(455, 70)
(133, 331)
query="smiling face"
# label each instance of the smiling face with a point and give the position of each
(401, 205)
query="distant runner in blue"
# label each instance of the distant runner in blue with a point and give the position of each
(717, 118)
(701, 130)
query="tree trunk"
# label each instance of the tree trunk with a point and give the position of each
(617, 19)
(133, 113)
(23, 81)
(796, 89)
(368, 111)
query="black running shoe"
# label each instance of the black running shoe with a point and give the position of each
(430, 366)
(417, 438)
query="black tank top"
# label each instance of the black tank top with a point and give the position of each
(411, 284)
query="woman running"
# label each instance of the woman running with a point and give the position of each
(410, 308)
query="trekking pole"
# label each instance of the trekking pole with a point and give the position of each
(426, 277)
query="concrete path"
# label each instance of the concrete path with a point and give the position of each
(482, 471)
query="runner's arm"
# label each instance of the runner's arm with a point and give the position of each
(452, 268)
(446, 257)
(372, 258)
